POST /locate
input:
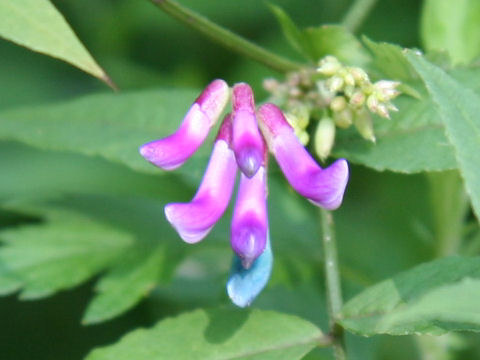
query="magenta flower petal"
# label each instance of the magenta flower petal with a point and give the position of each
(248, 144)
(250, 222)
(323, 187)
(172, 151)
(194, 220)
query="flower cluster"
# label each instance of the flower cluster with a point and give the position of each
(242, 142)
(335, 95)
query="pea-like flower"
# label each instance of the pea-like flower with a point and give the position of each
(240, 144)
(194, 220)
(247, 140)
(323, 187)
(171, 152)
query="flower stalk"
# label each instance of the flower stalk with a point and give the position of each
(225, 37)
(357, 14)
(333, 286)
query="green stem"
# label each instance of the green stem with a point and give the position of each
(357, 13)
(333, 287)
(225, 37)
(449, 207)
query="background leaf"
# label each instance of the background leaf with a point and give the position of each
(415, 129)
(293, 34)
(459, 109)
(338, 41)
(452, 26)
(37, 25)
(432, 298)
(218, 334)
(125, 284)
(112, 126)
(62, 253)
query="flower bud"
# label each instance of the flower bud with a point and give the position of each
(364, 125)
(324, 137)
(329, 65)
(248, 144)
(335, 84)
(357, 99)
(338, 103)
(344, 118)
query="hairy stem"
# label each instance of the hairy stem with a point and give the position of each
(225, 37)
(333, 287)
(357, 13)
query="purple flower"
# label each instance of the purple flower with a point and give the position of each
(240, 144)
(248, 144)
(172, 151)
(323, 187)
(250, 220)
(194, 220)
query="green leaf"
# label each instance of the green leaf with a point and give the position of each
(293, 34)
(37, 25)
(62, 252)
(432, 298)
(126, 284)
(390, 61)
(459, 109)
(112, 126)
(453, 26)
(218, 334)
(335, 40)
(412, 141)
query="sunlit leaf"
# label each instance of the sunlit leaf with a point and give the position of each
(459, 109)
(218, 334)
(432, 298)
(453, 26)
(37, 25)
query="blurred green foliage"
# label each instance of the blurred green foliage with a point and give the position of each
(384, 227)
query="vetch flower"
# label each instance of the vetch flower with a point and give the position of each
(323, 187)
(244, 285)
(194, 220)
(171, 152)
(247, 140)
(240, 144)
(250, 221)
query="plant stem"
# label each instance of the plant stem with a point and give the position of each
(357, 13)
(225, 37)
(333, 287)
(449, 208)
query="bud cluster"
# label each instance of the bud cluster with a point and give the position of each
(335, 95)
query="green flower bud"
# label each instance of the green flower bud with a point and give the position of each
(329, 66)
(344, 118)
(335, 84)
(338, 103)
(324, 137)
(357, 99)
(359, 75)
(363, 123)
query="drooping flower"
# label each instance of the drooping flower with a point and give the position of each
(194, 220)
(244, 285)
(247, 140)
(323, 187)
(250, 221)
(171, 152)
(240, 144)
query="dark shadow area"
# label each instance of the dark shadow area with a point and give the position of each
(50, 328)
